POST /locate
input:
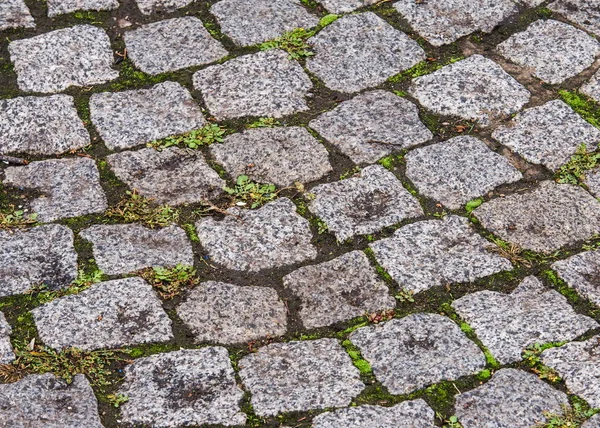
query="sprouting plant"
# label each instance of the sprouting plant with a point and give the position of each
(573, 172)
(405, 296)
(570, 417)
(264, 122)
(250, 192)
(117, 399)
(209, 134)
(170, 282)
(452, 422)
(83, 281)
(135, 208)
(471, 205)
(293, 42)
(12, 218)
(531, 356)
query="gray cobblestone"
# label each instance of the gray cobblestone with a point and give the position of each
(7, 354)
(150, 6)
(592, 87)
(60, 7)
(15, 14)
(582, 273)
(582, 12)
(345, 6)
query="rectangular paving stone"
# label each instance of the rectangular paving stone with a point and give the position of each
(7, 354)
(592, 87)
(85, 59)
(60, 7)
(148, 7)
(581, 272)
(15, 14)
(345, 6)
(584, 13)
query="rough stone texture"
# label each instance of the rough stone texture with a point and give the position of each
(545, 219)
(114, 313)
(60, 7)
(262, 84)
(126, 248)
(443, 21)
(372, 125)
(345, 6)
(584, 13)
(149, 6)
(592, 88)
(182, 388)
(458, 170)
(552, 50)
(582, 273)
(225, 313)
(130, 118)
(69, 187)
(593, 422)
(255, 21)
(437, 252)
(365, 204)
(300, 376)
(508, 323)
(274, 155)
(359, 51)
(511, 399)
(85, 59)
(549, 134)
(171, 45)
(474, 88)
(338, 290)
(592, 180)
(15, 14)
(232, 242)
(170, 176)
(41, 125)
(49, 402)
(41, 255)
(6, 352)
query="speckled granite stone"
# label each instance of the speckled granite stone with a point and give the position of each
(592, 87)
(584, 13)
(15, 14)
(148, 7)
(6, 351)
(593, 422)
(60, 7)
(582, 273)
(345, 6)
(592, 180)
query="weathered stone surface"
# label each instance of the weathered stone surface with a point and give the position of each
(584, 13)
(182, 388)
(171, 45)
(458, 170)
(262, 84)
(70, 187)
(552, 50)
(255, 21)
(437, 252)
(592, 88)
(170, 176)
(345, 6)
(149, 6)
(85, 59)
(474, 88)
(130, 118)
(372, 125)
(300, 376)
(15, 14)
(232, 242)
(281, 155)
(41, 125)
(365, 204)
(582, 273)
(592, 180)
(508, 323)
(511, 399)
(338, 290)
(549, 134)
(126, 248)
(359, 51)
(225, 313)
(60, 7)
(6, 352)
(114, 313)
(593, 422)
(49, 402)
(544, 219)
(445, 21)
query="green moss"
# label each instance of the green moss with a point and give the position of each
(390, 162)
(130, 78)
(357, 359)
(350, 173)
(544, 12)
(423, 68)
(484, 375)
(380, 270)
(585, 106)
(573, 172)
(190, 230)
(471, 205)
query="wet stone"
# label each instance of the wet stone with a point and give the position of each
(345, 6)
(474, 88)
(592, 88)
(265, 84)
(121, 312)
(365, 204)
(15, 14)
(281, 155)
(130, 118)
(338, 290)
(171, 176)
(150, 6)
(182, 388)
(126, 248)
(458, 170)
(582, 273)
(508, 323)
(300, 376)
(6, 352)
(284, 237)
(437, 252)
(171, 45)
(584, 13)
(85, 59)
(592, 180)
(544, 219)
(511, 399)
(372, 125)
(359, 51)
(224, 313)
(60, 7)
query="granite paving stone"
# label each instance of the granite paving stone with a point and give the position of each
(592, 180)
(171, 45)
(6, 351)
(372, 125)
(109, 314)
(53, 61)
(545, 219)
(345, 6)
(581, 272)
(131, 118)
(300, 376)
(360, 51)
(338, 290)
(584, 13)
(458, 170)
(432, 253)
(364, 204)
(593, 422)
(508, 323)
(264, 84)
(182, 388)
(15, 14)
(592, 87)
(60, 7)
(281, 155)
(475, 88)
(148, 7)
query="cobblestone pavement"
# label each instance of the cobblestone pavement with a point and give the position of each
(300, 213)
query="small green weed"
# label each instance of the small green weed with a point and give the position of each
(293, 42)
(583, 105)
(84, 281)
(265, 122)
(170, 282)
(249, 192)
(350, 173)
(452, 422)
(357, 359)
(571, 417)
(209, 134)
(471, 205)
(405, 296)
(190, 229)
(423, 68)
(16, 219)
(117, 399)
(531, 356)
(321, 226)
(135, 208)
(573, 172)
